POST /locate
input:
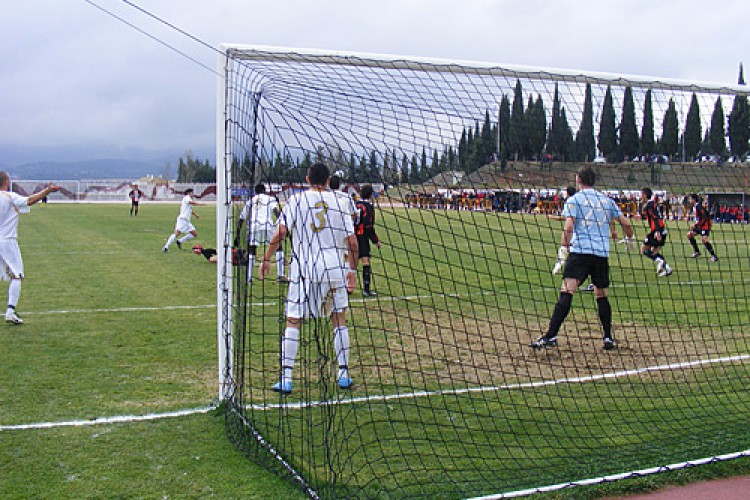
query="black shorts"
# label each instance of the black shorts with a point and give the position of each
(702, 232)
(364, 245)
(651, 240)
(582, 265)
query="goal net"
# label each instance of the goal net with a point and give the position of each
(470, 163)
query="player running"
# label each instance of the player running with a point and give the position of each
(184, 224)
(702, 226)
(657, 236)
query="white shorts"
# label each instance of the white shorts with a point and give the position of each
(261, 235)
(315, 300)
(11, 263)
(184, 226)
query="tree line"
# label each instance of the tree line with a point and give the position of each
(521, 132)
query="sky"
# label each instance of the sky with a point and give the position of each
(78, 84)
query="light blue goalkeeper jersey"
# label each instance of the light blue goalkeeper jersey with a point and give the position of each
(592, 212)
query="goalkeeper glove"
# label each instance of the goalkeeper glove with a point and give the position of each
(562, 255)
(629, 242)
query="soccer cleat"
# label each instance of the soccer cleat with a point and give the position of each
(179, 245)
(282, 279)
(164, 249)
(346, 383)
(660, 266)
(12, 318)
(588, 288)
(543, 343)
(609, 344)
(282, 387)
(368, 293)
(666, 271)
(695, 254)
(714, 258)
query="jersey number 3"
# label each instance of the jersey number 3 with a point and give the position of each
(320, 214)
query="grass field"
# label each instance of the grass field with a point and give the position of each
(458, 303)
(114, 328)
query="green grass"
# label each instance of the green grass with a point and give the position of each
(115, 327)
(479, 289)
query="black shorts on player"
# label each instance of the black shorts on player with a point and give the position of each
(651, 240)
(580, 266)
(702, 232)
(364, 245)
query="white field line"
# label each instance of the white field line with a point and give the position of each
(380, 398)
(616, 477)
(362, 300)
(508, 387)
(107, 420)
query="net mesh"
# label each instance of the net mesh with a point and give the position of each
(470, 163)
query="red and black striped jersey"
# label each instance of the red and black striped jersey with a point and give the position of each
(702, 217)
(652, 213)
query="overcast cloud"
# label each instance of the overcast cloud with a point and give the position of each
(77, 82)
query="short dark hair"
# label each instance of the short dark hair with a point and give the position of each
(318, 174)
(366, 192)
(695, 198)
(260, 188)
(587, 175)
(647, 191)
(335, 182)
(189, 190)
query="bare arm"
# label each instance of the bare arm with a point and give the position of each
(276, 239)
(34, 198)
(627, 227)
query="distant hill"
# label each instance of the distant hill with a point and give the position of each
(90, 169)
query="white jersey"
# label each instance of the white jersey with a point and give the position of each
(261, 209)
(319, 226)
(347, 203)
(186, 209)
(11, 205)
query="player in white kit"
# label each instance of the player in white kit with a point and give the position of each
(261, 211)
(184, 224)
(11, 206)
(321, 230)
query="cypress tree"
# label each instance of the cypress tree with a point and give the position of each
(629, 143)
(585, 142)
(670, 131)
(517, 132)
(693, 133)
(607, 129)
(739, 126)
(647, 131)
(504, 126)
(717, 131)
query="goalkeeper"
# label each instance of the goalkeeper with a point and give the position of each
(589, 217)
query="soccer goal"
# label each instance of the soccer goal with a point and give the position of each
(470, 163)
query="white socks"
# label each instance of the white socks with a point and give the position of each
(14, 292)
(289, 344)
(170, 240)
(185, 238)
(342, 347)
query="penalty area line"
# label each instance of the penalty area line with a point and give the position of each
(506, 387)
